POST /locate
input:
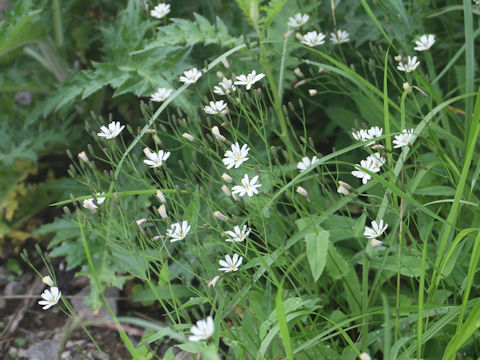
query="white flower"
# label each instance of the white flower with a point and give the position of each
(377, 159)
(237, 156)
(368, 164)
(238, 235)
(249, 79)
(202, 330)
(160, 10)
(343, 188)
(216, 108)
(312, 92)
(190, 76)
(50, 297)
(113, 130)
(313, 38)
(361, 135)
(298, 20)
(306, 163)
(376, 230)
(404, 139)
(48, 280)
(224, 87)
(178, 232)
(375, 132)
(411, 64)
(425, 42)
(248, 187)
(339, 37)
(92, 204)
(230, 264)
(161, 94)
(155, 159)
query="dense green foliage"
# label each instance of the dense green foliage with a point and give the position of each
(311, 284)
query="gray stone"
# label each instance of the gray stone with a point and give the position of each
(15, 288)
(4, 274)
(44, 350)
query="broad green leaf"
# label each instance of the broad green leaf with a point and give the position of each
(317, 249)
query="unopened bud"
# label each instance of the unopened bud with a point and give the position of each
(150, 131)
(212, 283)
(227, 178)
(48, 280)
(299, 36)
(406, 86)
(288, 34)
(162, 210)
(83, 157)
(378, 146)
(140, 221)
(226, 190)
(375, 242)
(218, 136)
(364, 356)
(161, 197)
(343, 188)
(220, 216)
(298, 72)
(220, 74)
(158, 237)
(188, 137)
(225, 63)
(312, 92)
(302, 191)
(398, 58)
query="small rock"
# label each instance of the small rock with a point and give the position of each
(4, 274)
(44, 350)
(15, 288)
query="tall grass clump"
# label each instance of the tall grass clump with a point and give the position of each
(300, 184)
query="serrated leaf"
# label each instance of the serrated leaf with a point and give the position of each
(317, 250)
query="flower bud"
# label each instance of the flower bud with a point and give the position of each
(302, 191)
(218, 136)
(298, 72)
(227, 178)
(406, 85)
(343, 188)
(375, 242)
(161, 197)
(364, 356)
(220, 216)
(83, 157)
(398, 58)
(226, 190)
(140, 221)
(213, 282)
(225, 63)
(188, 137)
(162, 210)
(219, 74)
(312, 92)
(48, 280)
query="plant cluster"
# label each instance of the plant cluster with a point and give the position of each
(230, 186)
